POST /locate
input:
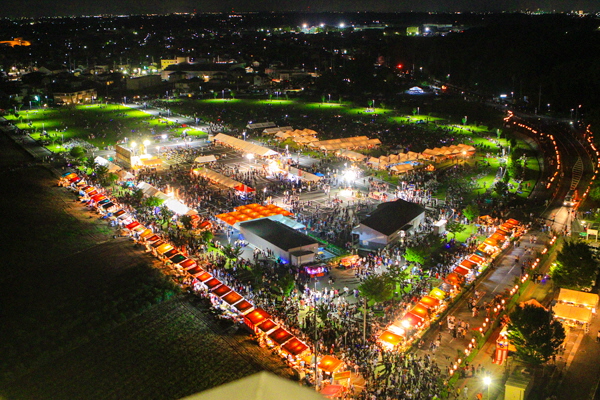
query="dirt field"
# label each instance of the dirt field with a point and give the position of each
(86, 316)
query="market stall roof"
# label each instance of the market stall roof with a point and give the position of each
(146, 234)
(187, 263)
(429, 301)
(170, 253)
(260, 386)
(329, 364)
(159, 242)
(148, 162)
(580, 298)
(212, 283)
(204, 277)
(453, 279)
(163, 248)
(353, 155)
(205, 159)
(437, 293)
(391, 338)
(243, 306)
(573, 313)
(280, 336)
(132, 225)
(216, 177)
(257, 316)
(420, 311)
(244, 146)
(232, 297)
(295, 347)
(462, 270)
(178, 258)
(331, 391)
(467, 264)
(267, 326)
(476, 259)
(411, 320)
(152, 239)
(222, 290)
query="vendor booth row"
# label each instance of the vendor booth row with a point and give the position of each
(430, 306)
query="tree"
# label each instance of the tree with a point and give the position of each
(377, 288)
(415, 255)
(501, 188)
(77, 152)
(152, 202)
(471, 212)
(455, 227)
(534, 332)
(186, 221)
(232, 253)
(575, 266)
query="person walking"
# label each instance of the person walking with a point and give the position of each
(466, 392)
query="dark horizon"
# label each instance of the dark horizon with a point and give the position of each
(44, 8)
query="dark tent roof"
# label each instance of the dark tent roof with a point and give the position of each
(277, 233)
(393, 216)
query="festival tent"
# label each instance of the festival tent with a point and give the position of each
(437, 293)
(329, 364)
(163, 248)
(280, 336)
(573, 313)
(205, 159)
(232, 297)
(256, 316)
(178, 258)
(221, 291)
(468, 264)
(420, 311)
(267, 326)
(462, 270)
(411, 320)
(244, 146)
(429, 302)
(295, 347)
(260, 386)
(147, 189)
(454, 279)
(390, 338)
(589, 300)
(212, 283)
(205, 277)
(216, 177)
(188, 263)
(332, 391)
(244, 306)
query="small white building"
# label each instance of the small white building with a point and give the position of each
(286, 243)
(389, 222)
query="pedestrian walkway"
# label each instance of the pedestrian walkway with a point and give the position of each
(451, 345)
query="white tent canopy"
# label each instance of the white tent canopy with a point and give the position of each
(260, 386)
(579, 298)
(205, 159)
(217, 177)
(244, 146)
(574, 313)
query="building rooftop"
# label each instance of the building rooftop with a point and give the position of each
(277, 233)
(392, 216)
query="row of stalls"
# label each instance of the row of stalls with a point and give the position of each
(401, 333)
(575, 309)
(223, 180)
(230, 303)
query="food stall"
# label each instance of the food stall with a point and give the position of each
(315, 270)
(279, 337)
(588, 300)
(574, 316)
(256, 316)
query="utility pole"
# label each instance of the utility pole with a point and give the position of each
(365, 321)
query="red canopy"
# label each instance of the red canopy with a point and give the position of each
(294, 347)
(462, 270)
(244, 188)
(222, 290)
(280, 336)
(212, 283)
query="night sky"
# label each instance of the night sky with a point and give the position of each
(37, 8)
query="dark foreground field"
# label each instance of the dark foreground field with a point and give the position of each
(85, 316)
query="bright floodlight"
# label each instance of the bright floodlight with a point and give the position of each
(146, 142)
(350, 175)
(164, 136)
(487, 380)
(133, 144)
(249, 156)
(342, 25)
